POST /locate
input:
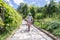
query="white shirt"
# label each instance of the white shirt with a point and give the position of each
(29, 18)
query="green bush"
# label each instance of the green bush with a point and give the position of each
(53, 25)
(44, 25)
(1, 22)
(2, 28)
(38, 16)
(41, 24)
(36, 23)
(12, 19)
(56, 32)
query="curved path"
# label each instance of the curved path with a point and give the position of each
(34, 34)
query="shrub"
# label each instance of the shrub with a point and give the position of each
(36, 23)
(56, 32)
(44, 25)
(53, 25)
(12, 18)
(2, 28)
(39, 16)
(41, 24)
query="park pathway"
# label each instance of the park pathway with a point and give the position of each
(34, 34)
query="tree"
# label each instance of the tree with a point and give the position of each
(33, 11)
(23, 9)
(39, 9)
(50, 8)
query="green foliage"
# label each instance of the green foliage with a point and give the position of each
(1, 26)
(40, 24)
(36, 23)
(56, 32)
(50, 9)
(39, 9)
(12, 19)
(32, 10)
(1, 22)
(38, 16)
(23, 9)
(53, 25)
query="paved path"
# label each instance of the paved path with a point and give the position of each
(34, 34)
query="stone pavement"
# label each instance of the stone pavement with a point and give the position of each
(34, 34)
